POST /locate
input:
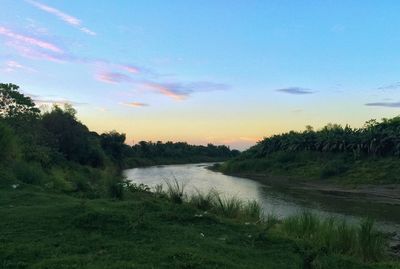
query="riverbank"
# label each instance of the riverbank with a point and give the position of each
(384, 194)
(148, 162)
(145, 230)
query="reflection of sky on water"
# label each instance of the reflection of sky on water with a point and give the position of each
(282, 204)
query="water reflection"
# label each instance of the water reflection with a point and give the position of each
(279, 202)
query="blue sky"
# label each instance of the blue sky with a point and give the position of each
(206, 71)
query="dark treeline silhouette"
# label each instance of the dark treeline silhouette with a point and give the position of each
(181, 151)
(56, 150)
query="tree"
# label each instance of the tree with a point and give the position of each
(15, 104)
(113, 143)
(72, 137)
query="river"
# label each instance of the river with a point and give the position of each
(281, 203)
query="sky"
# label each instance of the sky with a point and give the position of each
(222, 72)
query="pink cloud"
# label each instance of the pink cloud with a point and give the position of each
(166, 90)
(180, 90)
(135, 104)
(29, 40)
(130, 68)
(13, 66)
(113, 77)
(35, 54)
(69, 19)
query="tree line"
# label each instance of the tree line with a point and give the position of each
(56, 147)
(374, 139)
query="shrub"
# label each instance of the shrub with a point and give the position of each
(115, 188)
(334, 168)
(31, 173)
(135, 187)
(79, 181)
(59, 182)
(8, 144)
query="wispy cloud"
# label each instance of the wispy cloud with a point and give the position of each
(170, 90)
(130, 68)
(296, 90)
(135, 104)
(385, 104)
(30, 41)
(41, 101)
(113, 77)
(180, 91)
(33, 53)
(69, 19)
(60, 102)
(11, 66)
(393, 86)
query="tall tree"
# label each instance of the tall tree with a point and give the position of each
(15, 104)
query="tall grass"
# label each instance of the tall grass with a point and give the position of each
(252, 209)
(203, 201)
(337, 236)
(331, 234)
(175, 191)
(371, 242)
(328, 234)
(230, 207)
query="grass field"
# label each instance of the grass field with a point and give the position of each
(145, 230)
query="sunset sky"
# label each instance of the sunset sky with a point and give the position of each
(225, 72)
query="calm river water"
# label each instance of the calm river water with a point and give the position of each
(281, 203)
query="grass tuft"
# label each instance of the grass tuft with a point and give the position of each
(371, 243)
(337, 236)
(203, 201)
(175, 191)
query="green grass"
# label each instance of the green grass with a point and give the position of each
(175, 191)
(39, 229)
(336, 236)
(338, 167)
(230, 207)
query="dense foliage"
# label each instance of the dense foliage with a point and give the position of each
(374, 139)
(367, 155)
(180, 150)
(56, 150)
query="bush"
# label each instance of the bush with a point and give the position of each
(8, 144)
(334, 168)
(7, 175)
(79, 181)
(59, 182)
(31, 173)
(135, 187)
(115, 188)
